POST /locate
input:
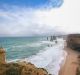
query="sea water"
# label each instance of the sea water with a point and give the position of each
(37, 50)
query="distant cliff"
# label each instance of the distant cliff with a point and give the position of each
(73, 41)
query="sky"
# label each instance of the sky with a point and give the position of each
(39, 17)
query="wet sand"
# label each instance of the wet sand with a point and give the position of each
(71, 63)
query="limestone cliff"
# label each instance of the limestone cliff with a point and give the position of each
(73, 41)
(19, 68)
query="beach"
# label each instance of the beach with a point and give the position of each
(71, 63)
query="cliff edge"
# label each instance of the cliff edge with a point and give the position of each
(19, 68)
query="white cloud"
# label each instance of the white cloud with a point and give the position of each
(43, 21)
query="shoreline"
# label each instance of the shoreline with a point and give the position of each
(64, 60)
(70, 64)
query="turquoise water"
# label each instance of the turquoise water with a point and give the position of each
(21, 47)
(37, 50)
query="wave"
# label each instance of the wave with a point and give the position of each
(49, 58)
(37, 44)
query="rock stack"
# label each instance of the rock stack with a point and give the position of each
(2, 56)
(2, 61)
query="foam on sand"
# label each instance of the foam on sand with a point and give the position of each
(50, 58)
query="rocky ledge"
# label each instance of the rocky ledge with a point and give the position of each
(21, 68)
(18, 67)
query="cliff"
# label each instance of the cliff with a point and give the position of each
(73, 41)
(21, 68)
(18, 68)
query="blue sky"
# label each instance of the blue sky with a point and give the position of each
(39, 17)
(28, 3)
(32, 3)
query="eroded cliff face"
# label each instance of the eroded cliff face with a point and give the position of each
(21, 68)
(73, 41)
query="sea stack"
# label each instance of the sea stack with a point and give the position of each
(2, 56)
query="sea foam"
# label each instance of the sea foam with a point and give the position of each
(50, 58)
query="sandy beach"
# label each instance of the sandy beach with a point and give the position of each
(71, 63)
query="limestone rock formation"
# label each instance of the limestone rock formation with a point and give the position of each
(73, 41)
(19, 68)
(2, 56)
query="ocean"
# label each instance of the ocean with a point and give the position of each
(37, 50)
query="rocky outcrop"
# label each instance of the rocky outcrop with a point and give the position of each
(2, 56)
(73, 41)
(21, 68)
(18, 68)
